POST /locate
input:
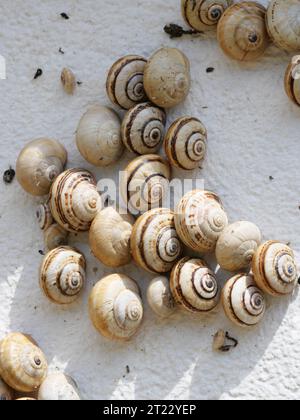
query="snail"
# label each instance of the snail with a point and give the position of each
(124, 83)
(38, 164)
(167, 77)
(144, 183)
(185, 143)
(160, 298)
(155, 245)
(244, 303)
(98, 136)
(236, 246)
(62, 275)
(223, 342)
(143, 128)
(200, 219)
(109, 237)
(274, 268)
(194, 286)
(242, 32)
(115, 307)
(68, 81)
(55, 236)
(283, 23)
(25, 399)
(74, 200)
(44, 216)
(6, 393)
(203, 15)
(23, 365)
(292, 80)
(59, 387)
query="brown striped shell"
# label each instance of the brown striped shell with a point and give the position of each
(62, 275)
(243, 302)
(124, 83)
(292, 80)
(55, 236)
(44, 216)
(194, 286)
(275, 269)
(6, 393)
(143, 128)
(155, 245)
(242, 32)
(186, 143)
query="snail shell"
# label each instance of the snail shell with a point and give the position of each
(167, 77)
(26, 399)
(143, 128)
(274, 268)
(115, 307)
(145, 182)
(124, 83)
(237, 245)
(160, 298)
(185, 143)
(292, 80)
(242, 32)
(6, 394)
(23, 366)
(155, 245)
(44, 216)
(74, 200)
(55, 236)
(38, 164)
(194, 286)
(244, 303)
(283, 23)
(59, 387)
(203, 15)
(68, 81)
(110, 237)
(62, 275)
(200, 219)
(98, 136)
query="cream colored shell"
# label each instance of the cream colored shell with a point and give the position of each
(25, 399)
(292, 80)
(124, 83)
(274, 268)
(98, 136)
(160, 298)
(237, 245)
(74, 200)
(23, 366)
(109, 237)
(283, 23)
(115, 307)
(242, 32)
(194, 286)
(186, 143)
(68, 81)
(200, 219)
(59, 387)
(62, 275)
(243, 302)
(167, 77)
(6, 393)
(55, 236)
(44, 216)
(38, 164)
(143, 128)
(155, 245)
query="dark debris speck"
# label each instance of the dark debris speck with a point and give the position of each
(41, 252)
(61, 51)
(9, 175)
(271, 178)
(38, 74)
(210, 69)
(128, 369)
(65, 16)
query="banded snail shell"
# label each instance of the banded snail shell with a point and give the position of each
(160, 298)
(292, 80)
(244, 303)
(55, 236)
(194, 286)
(274, 268)
(155, 245)
(44, 216)
(6, 393)
(59, 387)
(186, 143)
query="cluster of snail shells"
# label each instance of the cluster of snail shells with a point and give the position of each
(292, 80)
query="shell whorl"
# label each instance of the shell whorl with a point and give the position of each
(44, 216)
(292, 80)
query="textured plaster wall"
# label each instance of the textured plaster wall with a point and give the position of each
(253, 134)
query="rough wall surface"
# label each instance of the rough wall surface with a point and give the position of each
(253, 135)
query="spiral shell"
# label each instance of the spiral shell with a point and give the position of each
(185, 143)
(292, 80)
(274, 268)
(98, 136)
(44, 216)
(242, 32)
(143, 128)
(194, 286)
(74, 200)
(200, 219)
(124, 83)
(115, 307)
(62, 275)
(283, 23)
(160, 298)
(6, 394)
(38, 164)
(145, 182)
(203, 15)
(244, 303)
(68, 81)
(23, 366)
(59, 387)
(167, 77)
(55, 236)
